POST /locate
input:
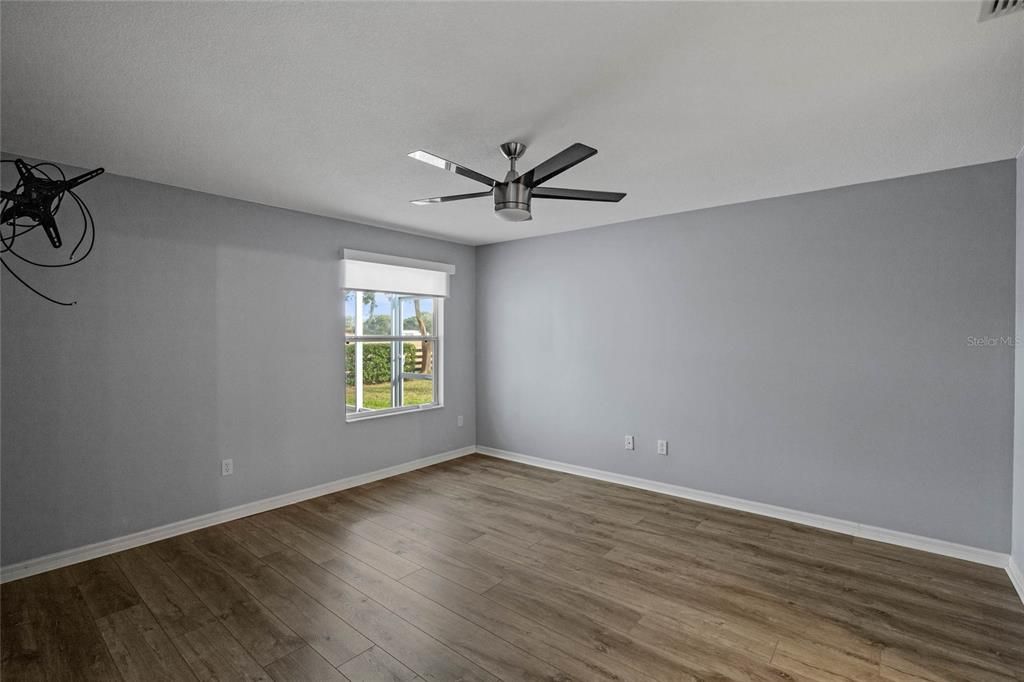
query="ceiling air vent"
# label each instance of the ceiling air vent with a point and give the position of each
(990, 9)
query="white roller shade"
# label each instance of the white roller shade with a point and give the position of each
(365, 271)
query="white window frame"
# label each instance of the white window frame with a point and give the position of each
(398, 373)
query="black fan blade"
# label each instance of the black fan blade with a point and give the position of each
(576, 194)
(50, 227)
(433, 160)
(560, 162)
(84, 177)
(450, 197)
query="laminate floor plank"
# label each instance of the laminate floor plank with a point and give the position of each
(445, 561)
(480, 568)
(259, 544)
(172, 603)
(296, 538)
(394, 521)
(55, 636)
(755, 642)
(910, 630)
(829, 570)
(875, 614)
(425, 549)
(420, 499)
(781, 578)
(749, 603)
(415, 649)
(322, 630)
(338, 534)
(490, 652)
(304, 665)
(529, 635)
(461, 527)
(549, 519)
(24, 655)
(216, 656)
(140, 647)
(104, 586)
(376, 665)
(466, 554)
(580, 624)
(262, 634)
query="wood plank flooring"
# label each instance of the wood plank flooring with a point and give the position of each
(482, 569)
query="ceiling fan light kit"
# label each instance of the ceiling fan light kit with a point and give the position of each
(513, 196)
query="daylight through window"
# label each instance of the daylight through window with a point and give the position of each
(393, 341)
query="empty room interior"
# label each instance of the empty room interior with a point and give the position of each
(624, 341)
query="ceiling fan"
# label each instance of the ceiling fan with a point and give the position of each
(512, 197)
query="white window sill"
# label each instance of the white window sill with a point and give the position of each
(378, 414)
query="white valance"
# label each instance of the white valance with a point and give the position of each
(365, 271)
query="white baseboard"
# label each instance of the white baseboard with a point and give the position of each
(1016, 577)
(78, 554)
(893, 537)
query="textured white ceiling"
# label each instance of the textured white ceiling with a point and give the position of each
(315, 106)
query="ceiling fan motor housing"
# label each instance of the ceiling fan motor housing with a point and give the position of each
(512, 200)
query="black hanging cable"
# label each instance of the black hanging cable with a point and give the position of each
(8, 242)
(28, 228)
(88, 227)
(32, 288)
(26, 212)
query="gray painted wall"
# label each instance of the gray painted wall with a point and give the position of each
(206, 328)
(810, 351)
(1018, 429)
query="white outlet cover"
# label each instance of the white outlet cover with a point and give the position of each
(460, 420)
(662, 447)
(629, 443)
(227, 467)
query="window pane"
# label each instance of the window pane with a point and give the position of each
(418, 357)
(376, 375)
(417, 391)
(376, 379)
(350, 312)
(350, 377)
(396, 373)
(417, 316)
(376, 310)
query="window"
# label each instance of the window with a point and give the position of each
(393, 334)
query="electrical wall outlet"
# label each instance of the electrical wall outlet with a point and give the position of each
(460, 420)
(629, 442)
(227, 467)
(662, 447)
